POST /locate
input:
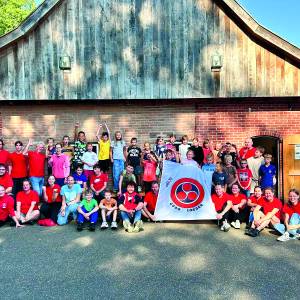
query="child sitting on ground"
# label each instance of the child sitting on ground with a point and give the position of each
(80, 178)
(109, 209)
(87, 211)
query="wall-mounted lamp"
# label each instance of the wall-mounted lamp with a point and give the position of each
(65, 62)
(216, 62)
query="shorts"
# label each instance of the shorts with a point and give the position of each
(138, 170)
(104, 165)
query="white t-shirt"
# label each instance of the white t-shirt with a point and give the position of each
(89, 157)
(183, 149)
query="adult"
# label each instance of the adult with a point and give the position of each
(36, 161)
(7, 208)
(60, 165)
(70, 200)
(291, 213)
(150, 201)
(223, 204)
(5, 179)
(230, 171)
(27, 204)
(131, 205)
(18, 170)
(198, 151)
(4, 155)
(267, 212)
(51, 200)
(248, 150)
(238, 211)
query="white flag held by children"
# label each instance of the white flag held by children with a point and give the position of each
(184, 194)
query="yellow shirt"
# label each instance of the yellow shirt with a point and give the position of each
(104, 148)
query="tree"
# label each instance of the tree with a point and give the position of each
(13, 12)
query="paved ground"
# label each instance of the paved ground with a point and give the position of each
(166, 261)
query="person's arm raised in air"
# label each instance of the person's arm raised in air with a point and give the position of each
(29, 144)
(107, 129)
(76, 131)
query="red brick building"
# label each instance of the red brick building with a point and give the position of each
(202, 67)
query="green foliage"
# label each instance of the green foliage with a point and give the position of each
(13, 12)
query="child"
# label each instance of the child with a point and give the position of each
(206, 149)
(171, 144)
(219, 177)
(80, 178)
(134, 159)
(109, 207)
(227, 150)
(208, 169)
(79, 147)
(89, 159)
(218, 147)
(131, 205)
(67, 149)
(169, 155)
(159, 150)
(150, 164)
(87, 211)
(254, 163)
(104, 147)
(198, 151)
(184, 147)
(98, 183)
(189, 160)
(117, 156)
(126, 176)
(267, 173)
(244, 176)
(150, 202)
(230, 170)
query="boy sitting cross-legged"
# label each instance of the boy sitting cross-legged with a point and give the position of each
(87, 211)
(131, 205)
(109, 208)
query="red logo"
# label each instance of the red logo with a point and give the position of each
(187, 193)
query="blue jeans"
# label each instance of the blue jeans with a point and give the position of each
(118, 167)
(70, 209)
(82, 219)
(126, 217)
(37, 184)
(294, 220)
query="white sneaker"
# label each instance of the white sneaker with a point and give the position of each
(114, 225)
(284, 238)
(225, 227)
(237, 224)
(104, 225)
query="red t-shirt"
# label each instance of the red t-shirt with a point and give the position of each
(151, 199)
(6, 207)
(238, 199)
(27, 199)
(19, 165)
(244, 176)
(291, 209)
(149, 170)
(6, 181)
(99, 181)
(36, 164)
(220, 201)
(269, 206)
(246, 153)
(4, 157)
(50, 190)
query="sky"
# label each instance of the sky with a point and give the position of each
(282, 17)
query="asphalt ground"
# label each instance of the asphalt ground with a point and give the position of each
(165, 261)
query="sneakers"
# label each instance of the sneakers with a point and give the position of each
(225, 227)
(92, 227)
(127, 225)
(252, 232)
(236, 224)
(79, 226)
(138, 226)
(104, 225)
(114, 225)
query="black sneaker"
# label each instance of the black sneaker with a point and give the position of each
(256, 233)
(249, 231)
(92, 227)
(79, 227)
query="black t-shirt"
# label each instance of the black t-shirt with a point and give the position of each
(134, 155)
(198, 154)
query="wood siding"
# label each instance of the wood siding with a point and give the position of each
(141, 49)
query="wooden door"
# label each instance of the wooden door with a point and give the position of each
(291, 163)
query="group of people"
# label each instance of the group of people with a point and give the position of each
(242, 182)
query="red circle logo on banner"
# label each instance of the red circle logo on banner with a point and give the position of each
(187, 193)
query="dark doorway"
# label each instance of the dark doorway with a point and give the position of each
(272, 146)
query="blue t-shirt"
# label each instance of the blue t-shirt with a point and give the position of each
(219, 178)
(267, 174)
(118, 149)
(70, 194)
(80, 179)
(208, 170)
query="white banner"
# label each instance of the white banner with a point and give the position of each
(184, 194)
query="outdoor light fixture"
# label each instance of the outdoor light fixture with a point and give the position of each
(65, 62)
(216, 62)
